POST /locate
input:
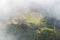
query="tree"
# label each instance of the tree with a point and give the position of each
(21, 32)
(47, 35)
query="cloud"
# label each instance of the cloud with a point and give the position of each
(9, 7)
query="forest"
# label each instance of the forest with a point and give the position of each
(34, 26)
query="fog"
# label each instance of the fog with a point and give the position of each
(10, 8)
(50, 6)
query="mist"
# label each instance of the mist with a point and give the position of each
(12, 8)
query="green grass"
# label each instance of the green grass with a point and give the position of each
(46, 28)
(31, 19)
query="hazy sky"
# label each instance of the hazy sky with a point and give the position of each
(52, 6)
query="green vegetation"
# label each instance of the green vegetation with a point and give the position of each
(39, 28)
(31, 18)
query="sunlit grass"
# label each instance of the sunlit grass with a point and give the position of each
(32, 19)
(46, 28)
